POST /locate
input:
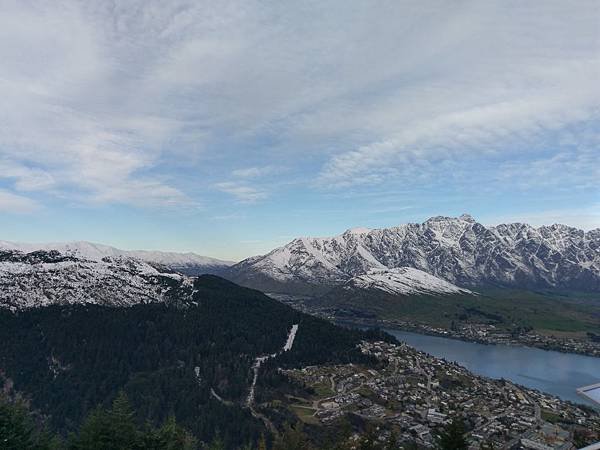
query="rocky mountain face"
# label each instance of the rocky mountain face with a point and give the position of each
(457, 250)
(43, 278)
(185, 263)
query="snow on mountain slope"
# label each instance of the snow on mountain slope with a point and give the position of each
(404, 281)
(188, 263)
(42, 278)
(458, 250)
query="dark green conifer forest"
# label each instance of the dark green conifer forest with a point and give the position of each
(76, 365)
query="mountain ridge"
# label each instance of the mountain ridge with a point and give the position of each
(188, 263)
(458, 250)
(43, 278)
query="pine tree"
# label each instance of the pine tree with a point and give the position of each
(217, 444)
(109, 430)
(453, 436)
(19, 432)
(170, 436)
(122, 422)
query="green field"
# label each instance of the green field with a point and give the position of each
(305, 414)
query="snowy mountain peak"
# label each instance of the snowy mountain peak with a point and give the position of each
(357, 230)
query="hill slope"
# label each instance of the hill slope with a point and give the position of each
(168, 359)
(403, 281)
(44, 278)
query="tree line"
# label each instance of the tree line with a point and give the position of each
(116, 428)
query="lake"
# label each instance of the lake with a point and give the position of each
(556, 373)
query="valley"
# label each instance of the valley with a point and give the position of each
(548, 322)
(85, 325)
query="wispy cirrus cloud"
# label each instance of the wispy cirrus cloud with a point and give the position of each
(13, 203)
(255, 172)
(495, 120)
(154, 104)
(241, 191)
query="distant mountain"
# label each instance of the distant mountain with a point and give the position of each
(44, 278)
(186, 263)
(458, 250)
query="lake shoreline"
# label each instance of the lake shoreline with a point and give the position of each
(557, 374)
(488, 339)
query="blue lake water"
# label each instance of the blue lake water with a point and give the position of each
(557, 373)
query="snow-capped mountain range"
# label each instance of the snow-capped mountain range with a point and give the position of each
(43, 278)
(186, 263)
(441, 256)
(457, 250)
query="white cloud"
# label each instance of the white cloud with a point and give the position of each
(26, 178)
(571, 171)
(254, 172)
(13, 203)
(100, 101)
(242, 192)
(478, 123)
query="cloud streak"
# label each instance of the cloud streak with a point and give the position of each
(242, 192)
(12, 203)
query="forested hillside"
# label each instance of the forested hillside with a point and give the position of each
(67, 360)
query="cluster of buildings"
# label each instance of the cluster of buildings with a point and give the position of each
(416, 395)
(490, 334)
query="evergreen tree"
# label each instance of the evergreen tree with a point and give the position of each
(453, 436)
(19, 432)
(216, 444)
(109, 430)
(170, 436)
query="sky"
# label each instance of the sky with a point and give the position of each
(228, 128)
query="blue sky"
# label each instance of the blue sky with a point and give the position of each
(228, 128)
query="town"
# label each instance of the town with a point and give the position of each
(491, 334)
(414, 395)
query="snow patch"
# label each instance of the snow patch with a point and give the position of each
(405, 281)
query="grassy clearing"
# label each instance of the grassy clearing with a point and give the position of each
(323, 390)
(305, 414)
